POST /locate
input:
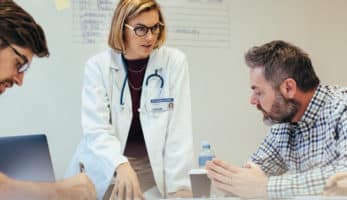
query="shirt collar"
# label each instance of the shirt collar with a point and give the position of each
(313, 107)
(309, 116)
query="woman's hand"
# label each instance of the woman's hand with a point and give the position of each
(126, 184)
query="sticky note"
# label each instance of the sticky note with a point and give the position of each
(62, 4)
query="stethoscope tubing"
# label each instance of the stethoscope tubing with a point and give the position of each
(154, 75)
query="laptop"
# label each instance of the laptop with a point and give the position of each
(26, 158)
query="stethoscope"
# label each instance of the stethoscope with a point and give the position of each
(154, 75)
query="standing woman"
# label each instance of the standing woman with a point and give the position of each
(136, 109)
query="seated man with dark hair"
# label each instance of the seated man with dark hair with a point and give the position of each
(20, 39)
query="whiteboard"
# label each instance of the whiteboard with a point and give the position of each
(214, 34)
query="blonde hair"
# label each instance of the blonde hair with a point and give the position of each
(127, 9)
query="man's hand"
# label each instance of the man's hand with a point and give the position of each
(247, 182)
(126, 185)
(3, 179)
(74, 188)
(78, 187)
(6, 187)
(336, 185)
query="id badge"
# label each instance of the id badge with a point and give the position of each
(163, 104)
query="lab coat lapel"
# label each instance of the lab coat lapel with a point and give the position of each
(119, 74)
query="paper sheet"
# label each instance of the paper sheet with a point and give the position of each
(62, 4)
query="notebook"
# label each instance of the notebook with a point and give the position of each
(26, 158)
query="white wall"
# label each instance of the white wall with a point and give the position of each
(49, 101)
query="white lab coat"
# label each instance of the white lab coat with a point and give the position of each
(168, 134)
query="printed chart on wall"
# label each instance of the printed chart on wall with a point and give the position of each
(190, 23)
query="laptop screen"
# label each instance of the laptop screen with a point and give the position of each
(26, 158)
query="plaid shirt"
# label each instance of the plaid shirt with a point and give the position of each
(300, 157)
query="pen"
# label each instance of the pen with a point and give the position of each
(81, 165)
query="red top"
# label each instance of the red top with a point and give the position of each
(135, 146)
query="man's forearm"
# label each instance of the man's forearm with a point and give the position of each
(18, 190)
(311, 182)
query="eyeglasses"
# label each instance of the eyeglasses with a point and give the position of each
(142, 30)
(23, 67)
